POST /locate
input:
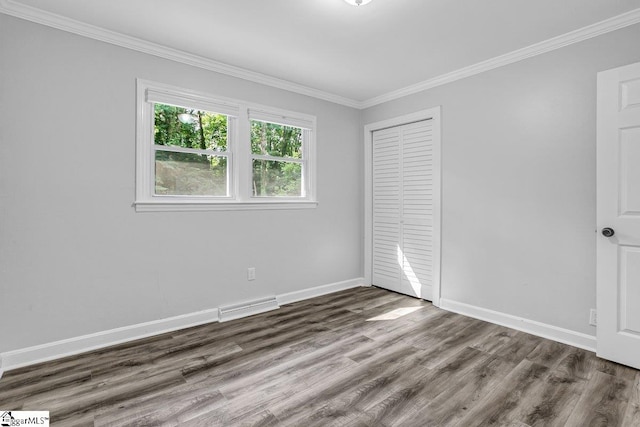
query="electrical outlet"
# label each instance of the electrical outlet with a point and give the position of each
(593, 317)
(251, 273)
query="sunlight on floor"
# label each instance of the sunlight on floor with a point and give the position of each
(395, 314)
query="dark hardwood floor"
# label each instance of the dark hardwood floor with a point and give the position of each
(362, 357)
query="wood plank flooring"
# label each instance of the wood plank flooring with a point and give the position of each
(362, 357)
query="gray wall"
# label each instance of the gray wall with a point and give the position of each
(518, 162)
(518, 192)
(75, 258)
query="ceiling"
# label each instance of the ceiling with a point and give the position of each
(358, 53)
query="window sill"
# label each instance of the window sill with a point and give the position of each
(181, 206)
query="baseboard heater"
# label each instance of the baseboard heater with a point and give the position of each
(236, 311)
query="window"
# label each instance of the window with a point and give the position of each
(277, 159)
(199, 152)
(190, 152)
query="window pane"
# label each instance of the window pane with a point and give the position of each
(186, 174)
(273, 178)
(190, 128)
(276, 140)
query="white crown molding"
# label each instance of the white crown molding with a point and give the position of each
(608, 25)
(29, 13)
(10, 7)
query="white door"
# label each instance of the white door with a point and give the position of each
(403, 208)
(618, 212)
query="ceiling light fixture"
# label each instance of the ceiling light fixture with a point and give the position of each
(357, 2)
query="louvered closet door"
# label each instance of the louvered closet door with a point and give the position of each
(386, 209)
(403, 209)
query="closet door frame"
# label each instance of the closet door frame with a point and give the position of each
(433, 114)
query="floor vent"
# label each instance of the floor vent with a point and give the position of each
(249, 308)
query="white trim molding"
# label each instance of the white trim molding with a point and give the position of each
(238, 311)
(178, 206)
(433, 114)
(72, 346)
(565, 336)
(29, 13)
(317, 291)
(39, 16)
(599, 28)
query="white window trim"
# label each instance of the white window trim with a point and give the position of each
(239, 152)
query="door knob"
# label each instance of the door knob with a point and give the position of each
(608, 232)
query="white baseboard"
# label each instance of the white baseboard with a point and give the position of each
(68, 347)
(249, 308)
(45, 352)
(290, 297)
(565, 336)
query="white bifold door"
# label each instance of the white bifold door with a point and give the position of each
(618, 215)
(403, 208)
